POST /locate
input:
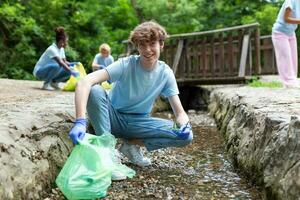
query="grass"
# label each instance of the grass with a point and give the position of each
(255, 82)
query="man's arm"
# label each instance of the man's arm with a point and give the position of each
(65, 61)
(95, 66)
(181, 116)
(288, 17)
(62, 63)
(83, 88)
(82, 92)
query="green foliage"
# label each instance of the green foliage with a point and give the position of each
(27, 27)
(255, 82)
(177, 15)
(266, 16)
(16, 41)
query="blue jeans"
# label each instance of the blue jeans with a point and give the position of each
(53, 73)
(155, 133)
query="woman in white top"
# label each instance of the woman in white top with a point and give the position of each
(52, 66)
(285, 42)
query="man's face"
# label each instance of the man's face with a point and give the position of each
(64, 43)
(149, 52)
(104, 52)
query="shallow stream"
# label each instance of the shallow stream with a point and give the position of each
(198, 171)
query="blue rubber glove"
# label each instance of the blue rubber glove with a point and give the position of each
(75, 73)
(101, 67)
(71, 64)
(184, 131)
(78, 131)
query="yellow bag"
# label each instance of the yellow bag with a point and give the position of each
(71, 83)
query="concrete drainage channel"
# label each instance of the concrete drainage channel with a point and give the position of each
(261, 138)
(199, 171)
(261, 128)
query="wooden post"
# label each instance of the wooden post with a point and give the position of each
(203, 57)
(212, 56)
(230, 54)
(221, 55)
(196, 57)
(177, 56)
(244, 53)
(250, 56)
(188, 53)
(257, 52)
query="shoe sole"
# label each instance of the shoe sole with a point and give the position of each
(119, 178)
(47, 89)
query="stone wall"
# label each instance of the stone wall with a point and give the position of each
(261, 127)
(34, 143)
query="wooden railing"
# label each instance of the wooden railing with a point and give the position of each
(225, 55)
(268, 62)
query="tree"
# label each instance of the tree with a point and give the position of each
(27, 27)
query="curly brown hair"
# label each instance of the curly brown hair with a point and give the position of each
(148, 31)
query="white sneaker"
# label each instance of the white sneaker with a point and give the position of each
(134, 154)
(116, 175)
(55, 85)
(47, 86)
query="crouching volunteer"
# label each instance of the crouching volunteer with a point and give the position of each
(125, 111)
(52, 67)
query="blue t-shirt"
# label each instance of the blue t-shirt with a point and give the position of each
(47, 57)
(104, 61)
(280, 25)
(135, 88)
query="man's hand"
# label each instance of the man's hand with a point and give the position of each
(101, 66)
(72, 64)
(78, 131)
(184, 131)
(74, 73)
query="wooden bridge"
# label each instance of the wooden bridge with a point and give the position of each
(222, 56)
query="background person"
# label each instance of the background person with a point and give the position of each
(103, 58)
(52, 67)
(285, 42)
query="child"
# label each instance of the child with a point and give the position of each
(52, 66)
(103, 58)
(285, 42)
(125, 112)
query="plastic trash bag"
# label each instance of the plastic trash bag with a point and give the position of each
(87, 172)
(71, 83)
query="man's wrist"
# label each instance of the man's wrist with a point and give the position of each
(81, 121)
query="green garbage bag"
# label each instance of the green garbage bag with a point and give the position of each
(87, 172)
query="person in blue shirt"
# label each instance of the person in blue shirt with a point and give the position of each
(126, 110)
(285, 42)
(103, 58)
(52, 67)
